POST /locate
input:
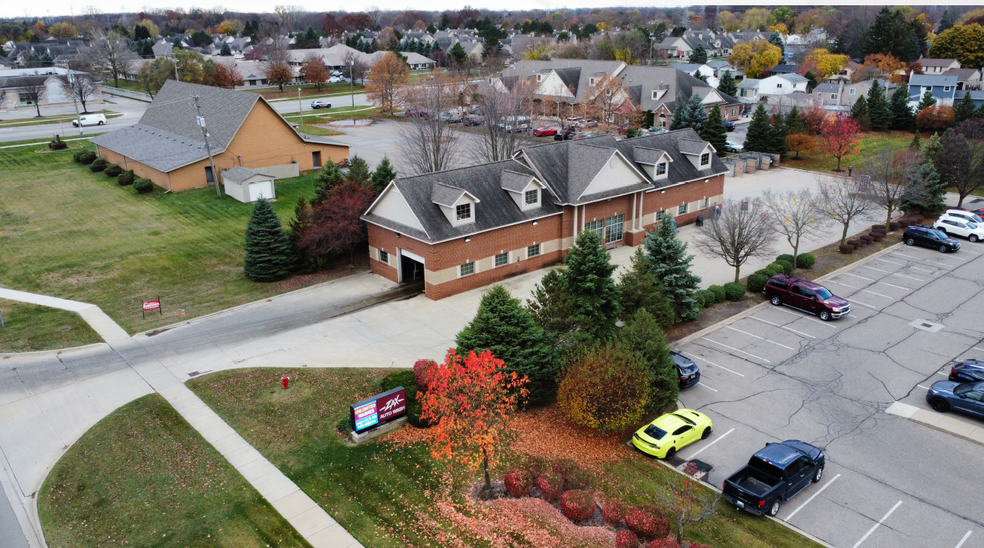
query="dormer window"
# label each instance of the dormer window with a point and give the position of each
(532, 197)
(705, 159)
(591, 81)
(539, 77)
(463, 212)
(661, 169)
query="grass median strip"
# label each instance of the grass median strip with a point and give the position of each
(30, 328)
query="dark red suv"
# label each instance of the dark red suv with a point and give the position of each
(806, 295)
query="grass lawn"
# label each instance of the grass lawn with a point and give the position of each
(391, 493)
(144, 477)
(60, 119)
(870, 143)
(320, 131)
(74, 234)
(31, 328)
(308, 91)
(73, 141)
(128, 85)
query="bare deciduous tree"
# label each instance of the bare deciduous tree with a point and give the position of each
(793, 215)
(431, 143)
(742, 230)
(891, 172)
(497, 104)
(33, 90)
(357, 70)
(838, 199)
(278, 69)
(688, 501)
(608, 102)
(80, 86)
(960, 162)
(108, 52)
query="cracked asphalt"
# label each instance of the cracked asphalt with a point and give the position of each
(780, 373)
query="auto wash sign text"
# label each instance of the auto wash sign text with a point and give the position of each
(379, 409)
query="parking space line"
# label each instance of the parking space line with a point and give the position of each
(844, 284)
(957, 258)
(920, 269)
(895, 286)
(875, 526)
(910, 277)
(853, 316)
(906, 256)
(873, 293)
(862, 304)
(963, 540)
(971, 252)
(878, 269)
(710, 444)
(760, 338)
(923, 387)
(942, 373)
(890, 262)
(784, 311)
(862, 277)
(712, 363)
(790, 516)
(783, 327)
(981, 349)
(736, 350)
(705, 386)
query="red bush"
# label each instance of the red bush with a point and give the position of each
(420, 368)
(614, 512)
(577, 505)
(551, 484)
(847, 248)
(626, 539)
(700, 545)
(664, 543)
(580, 479)
(518, 482)
(647, 520)
(564, 468)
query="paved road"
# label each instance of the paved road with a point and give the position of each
(131, 110)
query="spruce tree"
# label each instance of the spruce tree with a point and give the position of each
(927, 101)
(643, 337)
(269, 255)
(859, 113)
(777, 134)
(794, 122)
(879, 111)
(590, 287)
(639, 289)
(925, 191)
(551, 308)
(914, 145)
(680, 114)
(359, 170)
(329, 176)
(811, 81)
(714, 131)
(505, 328)
(776, 40)
(946, 22)
(902, 116)
(699, 55)
(668, 258)
(382, 176)
(727, 84)
(757, 137)
(964, 109)
(696, 113)
(979, 113)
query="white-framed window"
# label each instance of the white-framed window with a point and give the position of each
(655, 95)
(682, 209)
(597, 226)
(704, 203)
(659, 215)
(853, 91)
(532, 197)
(661, 169)
(833, 96)
(539, 77)
(778, 86)
(384, 257)
(466, 269)
(613, 228)
(532, 251)
(705, 158)
(591, 81)
(502, 259)
(462, 211)
(946, 88)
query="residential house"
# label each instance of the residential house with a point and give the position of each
(695, 70)
(748, 90)
(938, 66)
(782, 84)
(941, 86)
(967, 78)
(54, 80)
(842, 95)
(977, 96)
(338, 56)
(720, 67)
(469, 227)
(782, 69)
(244, 130)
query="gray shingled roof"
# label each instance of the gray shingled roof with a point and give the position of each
(648, 156)
(585, 161)
(445, 195)
(692, 146)
(513, 181)
(239, 174)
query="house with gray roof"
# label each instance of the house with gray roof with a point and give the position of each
(942, 87)
(13, 94)
(167, 145)
(840, 95)
(469, 227)
(967, 78)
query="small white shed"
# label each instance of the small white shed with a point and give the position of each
(248, 185)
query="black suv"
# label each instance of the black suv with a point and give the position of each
(928, 236)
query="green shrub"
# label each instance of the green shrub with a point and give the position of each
(87, 157)
(734, 291)
(787, 266)
(775, 268)
(77, 156)
(805, 260)
(99, 164)
(718, 293)
(706, 298)
(757, 281)
(57, 145)
(113, 170)
(784, 257)
(607, 390)
(143, 185)
(415, 403)
(126, 178)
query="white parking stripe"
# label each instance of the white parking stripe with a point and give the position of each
(873, 293)
(942, 373)
(844, 284)
(862, 304)
(906, 256)
(712, 363)
(783, 327)
(895, 286)
(862, 277)
(700, 383)
(736, 350)
(878, 269)
(910, 277)
(971, 252)
(760, 338)
(963, 540)
(790, 516)
(981, 349)
(890, 262)
(784, 311)
(853, 316)
(710, 444)
(875, 526)
(920, 269)
(923, 387)
(957, 258)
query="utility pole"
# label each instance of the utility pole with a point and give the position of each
(201, 123)
(300, 109)
(352, 81)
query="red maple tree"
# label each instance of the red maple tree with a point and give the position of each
(839, 138)
(472, 402)
(334, 226)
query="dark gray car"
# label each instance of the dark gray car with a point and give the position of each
(964, 398)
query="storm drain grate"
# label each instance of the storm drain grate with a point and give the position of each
(927, 325)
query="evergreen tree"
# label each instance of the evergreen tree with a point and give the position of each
(329, 176)
(551, 308)
(794, 122)
(225, 51)
(776, 40)
(860, 114)
(269, 255)
(927, 101)
(714, 131)
(777, 134)
(643, 337)
(505, 328)
(914, 145)
(727, 84)
(590, 287)
(680, 114)
(757, 137)
(902, 116)
(696, 113)
(359, 170)
(296, 227)
(668, 258)
(639, 289)
(964, 109)
(925, 191)
(933, 146)
(979, 113)
(382, 176)
(946, 22)
(699, 55)
(879, 111)
(890, 33)
(811, 81)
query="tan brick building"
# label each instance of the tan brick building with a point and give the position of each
(167, 145)
(465, 228)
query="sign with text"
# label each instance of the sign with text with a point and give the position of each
(151, 305)
(379, 409)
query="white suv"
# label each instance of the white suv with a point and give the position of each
(957, 226)
(962, 214)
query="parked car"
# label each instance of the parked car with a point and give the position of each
(774, 474)
(968, 371)
(928, 236)
(515, 123)
(734, 147)
(320, 103)
(452, 116)
(90, 120)
(728, 126)
(687, 370)
(566, 135)
(417, 113)
(968, 216)
(473, 120)
(957, 226)
(805, 295)
(966, 398)
(544, 131)
(671, 432)
(336, 79)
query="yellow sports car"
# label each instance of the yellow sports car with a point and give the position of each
(671, 432)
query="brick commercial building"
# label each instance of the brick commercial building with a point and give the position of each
(167, 145)
(465, 228)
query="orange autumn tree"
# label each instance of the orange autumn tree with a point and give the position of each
(472, 403)
(838, 138)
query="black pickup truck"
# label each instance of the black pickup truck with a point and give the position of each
(774, 474)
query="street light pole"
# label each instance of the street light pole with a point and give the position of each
(201, 123)
(352, 81)
(300, 109)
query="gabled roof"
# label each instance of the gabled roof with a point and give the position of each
(514, 181)
(937, 62)
(750, 83)
(447, 195)
(962, 74)
(932, 80)
(648, 156)
(241, 174)
(693, 147)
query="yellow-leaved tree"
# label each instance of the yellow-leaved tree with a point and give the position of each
(754, 57)
(388, 76)
(822, 63)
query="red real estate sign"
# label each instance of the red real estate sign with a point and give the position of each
(151, 305)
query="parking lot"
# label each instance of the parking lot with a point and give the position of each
(778, 373)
